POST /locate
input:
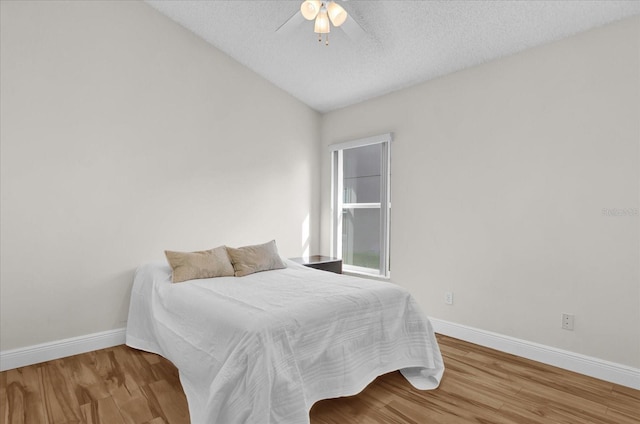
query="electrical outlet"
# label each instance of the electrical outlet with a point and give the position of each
(567, 321)
(448, 298)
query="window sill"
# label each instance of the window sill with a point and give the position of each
(365, 275)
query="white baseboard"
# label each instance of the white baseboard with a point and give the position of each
(593, 367)
(14, 358)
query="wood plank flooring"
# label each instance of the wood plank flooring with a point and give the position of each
(121, 385)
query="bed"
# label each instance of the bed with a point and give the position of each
(265, 347)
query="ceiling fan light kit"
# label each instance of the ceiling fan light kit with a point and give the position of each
(336, 13)
(310, 9)
(322, 23)
(325, 13)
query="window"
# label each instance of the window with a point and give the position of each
(361, 204)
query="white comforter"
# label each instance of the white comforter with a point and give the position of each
(264, 348)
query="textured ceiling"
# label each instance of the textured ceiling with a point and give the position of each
(385, 45)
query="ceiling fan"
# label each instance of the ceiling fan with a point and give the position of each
(324, 13)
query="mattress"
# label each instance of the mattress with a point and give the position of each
(265, 347)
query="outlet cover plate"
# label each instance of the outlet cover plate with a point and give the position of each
(567, 321)
(448, 298)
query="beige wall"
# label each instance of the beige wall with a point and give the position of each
(500, 174)
(123, 134)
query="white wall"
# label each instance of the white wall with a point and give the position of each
(500, 174)
(123, 134)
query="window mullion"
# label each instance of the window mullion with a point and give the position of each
(361, 205)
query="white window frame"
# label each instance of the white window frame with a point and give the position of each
(337, 204)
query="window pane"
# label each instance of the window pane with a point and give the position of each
(361, 174)
(361, 237)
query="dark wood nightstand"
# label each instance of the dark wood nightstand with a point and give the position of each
(324, 263)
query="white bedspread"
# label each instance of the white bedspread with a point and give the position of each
(264, 348)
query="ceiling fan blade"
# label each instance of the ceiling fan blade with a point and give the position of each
(291, 23)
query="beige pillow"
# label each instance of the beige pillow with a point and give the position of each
(202, 264)
(261, 257)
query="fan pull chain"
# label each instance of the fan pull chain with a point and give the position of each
(326, 39)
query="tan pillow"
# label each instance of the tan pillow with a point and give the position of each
(202, 264)
(260, 257)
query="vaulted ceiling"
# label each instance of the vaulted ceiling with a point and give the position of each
(384, 45)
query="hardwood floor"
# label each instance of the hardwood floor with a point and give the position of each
(121, 385)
